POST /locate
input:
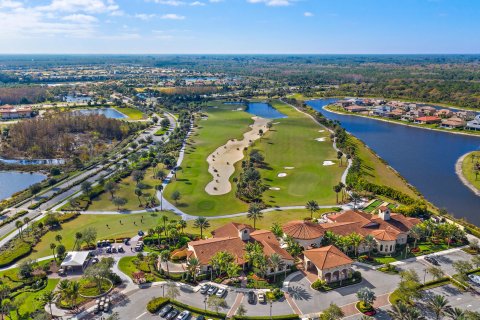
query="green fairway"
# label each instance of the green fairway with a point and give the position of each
(468, 171)
(291, 143)
(131, 113)
(223, 123)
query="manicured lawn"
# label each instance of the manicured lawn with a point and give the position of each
(126, 189)
(31, 302)
(115, 229)
(160, 132)
(131, 113)
(222, 124)
(468, 168)
(291, 143)
(373, 205)
(127, 266)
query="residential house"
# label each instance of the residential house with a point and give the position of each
(428, 110)
(355, 108)
(427, 120)
(10, 112)
(233, 238)
(305, 232)
(412, 115)
(466, 115)
(474, 124)
(382, 111)
(444, 113)
(453, 123)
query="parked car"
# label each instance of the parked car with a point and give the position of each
(96, 309)
(432, 260)
(212, 290)
(251, 297)
(204, 288)
(106, 307)
(474, 278)
(183, 315)
(200, 317)
(165, 310)
(126, 241)
(114, 250)
(109, 250)
(172, 314)
(262, 297)
(94, 260)
(62, 272)
(221, 292)
(120, 249)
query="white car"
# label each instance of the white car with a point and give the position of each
(474, 278)
(221, 292)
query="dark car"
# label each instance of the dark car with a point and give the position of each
(200, 317)
(172, 314)
(141, 233)
(204, 288)
(165, 310)
(251, 297)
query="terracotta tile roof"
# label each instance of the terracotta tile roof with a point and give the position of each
(386, 235)
(270, 244)
(230, 230)
(303, 229)
(352, 216)
(204, 250)
(327, 257)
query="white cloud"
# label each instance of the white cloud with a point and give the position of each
(197, 4)
(308, 14)
(273, 3)
(144, 16)
(80, 18)
(89, 6)
(9, 4)
(172, 16)
(215, 1)
(174, 3)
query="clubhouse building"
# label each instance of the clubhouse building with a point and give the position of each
(232, 238)
(388, 229)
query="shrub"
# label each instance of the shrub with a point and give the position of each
(17, 250)
(275, 294)
(156, 304)
(318, 284)
(284, 317)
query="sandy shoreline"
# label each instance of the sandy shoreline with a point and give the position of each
(221, 162)
(459, 172)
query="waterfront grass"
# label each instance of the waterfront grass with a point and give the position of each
(223, 123)
(292, 143)
(131, 113)
(468, 168)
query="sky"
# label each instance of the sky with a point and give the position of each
(239, 26)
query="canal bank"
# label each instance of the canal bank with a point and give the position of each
(425, 158)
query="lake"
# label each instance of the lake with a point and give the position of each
(107, 112)
(14, 181)
(425, 158)
(264, 110)
(33, 161)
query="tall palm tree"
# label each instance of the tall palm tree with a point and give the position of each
(456, 314)
(18, 225)
(369, 242)
(182, 224)
(337, 190)
(52, 247)
(438, 304)
(254, 213)
(201, 223)
(164, 218)
(74, 292)
(313, 207)
(78, 237)
(355, 240)
(139, 193)
(192, 266)
(416, 233)
(164, 257)
(276, 262)
(48, 298)
(159, 188)
(158, 231)
(400, 311)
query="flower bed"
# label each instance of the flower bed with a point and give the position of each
(367, 310)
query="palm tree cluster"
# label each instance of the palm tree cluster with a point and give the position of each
(350, 243)
(224, 263)
(427, 230)
(250, 186)
(171, 230)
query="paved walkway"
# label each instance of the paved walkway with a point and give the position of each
(292, 304)
(350, 309)
(236, 304)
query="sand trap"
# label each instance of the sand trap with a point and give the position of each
(276, 123)
(282, 175)
(321, 130)
(221, 161)
(288, 168)
(274, 188)
(328, 163)
(321, 139)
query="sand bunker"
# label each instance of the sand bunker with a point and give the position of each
(221, 161)
(288, 168)
(274, 188)
(321, 139)
(321, 130)
(282, 175)
(328, 163)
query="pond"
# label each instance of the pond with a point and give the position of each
(264, 110)
(425, 158)
(14, 181)
(107, 112)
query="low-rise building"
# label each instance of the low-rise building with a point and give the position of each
(10, 112)
(427, 120)
(452, 123)
(329, 263)
(355, 108)
(473, 124)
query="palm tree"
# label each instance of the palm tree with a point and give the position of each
(417, 233)
(158, 231)
(202, 223)
(192, 266)
(276, 263)
(438, 304)
(312, 205)
(18, 225)
(164, 219)
(159, 188)
(74, 292)
(337, 189)
(164, 257)
(401, 311)
(456, 314)
(48, 298)
(233, 270)
(369, 242)
(254, 213)
(138, 193)
(52, 247)
(182, 224)
(355, 240)
(58, 238)
(78, 237)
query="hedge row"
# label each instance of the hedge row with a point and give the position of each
(283, 317)
(17, 251)
(156, 304)
(14, 217)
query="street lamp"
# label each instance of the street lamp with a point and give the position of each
(163, 290)
(271, 303)
(205, 302)
(424, 275)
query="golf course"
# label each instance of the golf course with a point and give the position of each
(295, 151)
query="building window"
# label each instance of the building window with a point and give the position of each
(390, 247)
(381, 247)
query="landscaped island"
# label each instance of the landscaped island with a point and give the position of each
(468, 170)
